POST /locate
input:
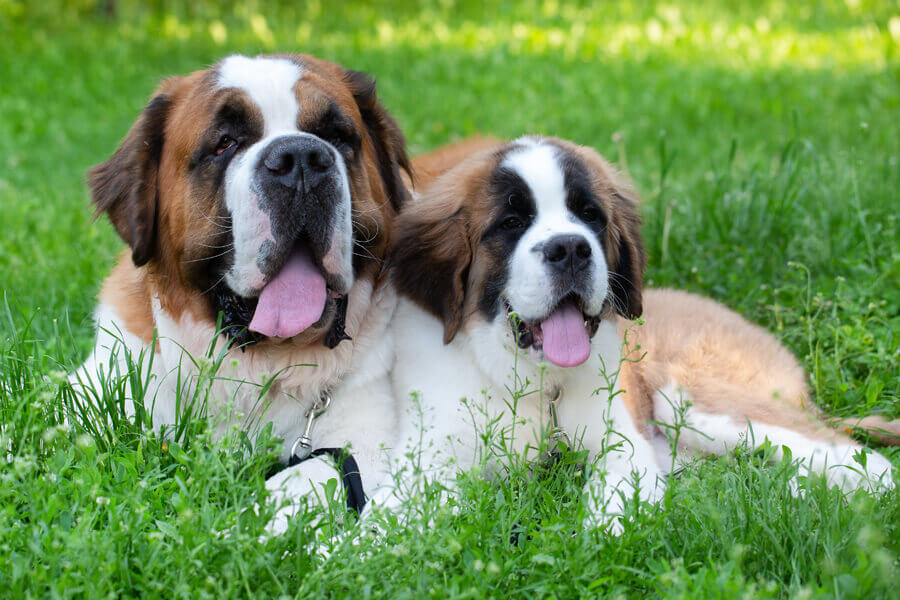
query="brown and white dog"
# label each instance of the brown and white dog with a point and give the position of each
(262, 190)
(519, 270)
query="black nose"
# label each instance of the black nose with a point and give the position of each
(300, 163)
(567, 252)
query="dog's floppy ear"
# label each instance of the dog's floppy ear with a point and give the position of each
(386, 137)
(626, 276)
(125, 186)
(430, 261)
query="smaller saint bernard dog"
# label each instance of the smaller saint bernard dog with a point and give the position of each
(520, 268)
(258, 196)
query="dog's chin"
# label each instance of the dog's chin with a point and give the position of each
(566, 319)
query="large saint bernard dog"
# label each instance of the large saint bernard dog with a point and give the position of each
(257, 199)
(520, 270)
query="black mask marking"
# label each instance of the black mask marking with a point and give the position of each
(237, 312)
(336, 334)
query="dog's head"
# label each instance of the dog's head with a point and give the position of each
(265, 185)
(538, 238)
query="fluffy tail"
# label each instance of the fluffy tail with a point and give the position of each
(887, 432)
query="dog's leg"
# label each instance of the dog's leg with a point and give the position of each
(404, 490)
(438, 429)
(842, 461)
(119, 359)
(296, 487)
(625, 460)
(423, 459)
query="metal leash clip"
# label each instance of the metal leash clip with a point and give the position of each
(302, 446)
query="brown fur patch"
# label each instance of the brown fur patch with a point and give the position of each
(126, 289)
(437, 236)
(430, 166)
(727, 365)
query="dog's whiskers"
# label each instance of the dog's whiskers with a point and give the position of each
(228, 246)
(210, 288)
(223, 227)
(356, 211)
(367, 254)
(204, 258)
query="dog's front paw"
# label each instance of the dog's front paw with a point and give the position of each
(296, 488)
(605, 508)
(606, 496)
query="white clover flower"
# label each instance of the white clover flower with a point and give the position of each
(57, 376)
(23, 465)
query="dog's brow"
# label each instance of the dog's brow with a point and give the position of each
(511, 190)
(332, 116)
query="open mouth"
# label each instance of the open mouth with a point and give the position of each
(564, 335)
(294, 300)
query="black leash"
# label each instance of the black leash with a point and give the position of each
(350, 477)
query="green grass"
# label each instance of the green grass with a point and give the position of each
(763, 138)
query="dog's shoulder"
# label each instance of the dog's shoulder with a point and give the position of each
(125, 299)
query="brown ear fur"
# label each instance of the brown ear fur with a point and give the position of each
(623, 244)
(386, 136)
(626, 278)
(125, 186)
(431, 259)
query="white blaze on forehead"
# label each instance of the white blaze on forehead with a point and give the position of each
(270, 84)
(539, 168)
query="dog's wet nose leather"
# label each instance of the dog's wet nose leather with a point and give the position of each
(567, 252)
(300, 163)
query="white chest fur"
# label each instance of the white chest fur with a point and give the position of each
(479, 383)
(192, 365)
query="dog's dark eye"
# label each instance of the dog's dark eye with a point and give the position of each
(511, 223)
(225, 144)
(590, 213)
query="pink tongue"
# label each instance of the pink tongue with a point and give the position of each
(293, 300)
(566, 341)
